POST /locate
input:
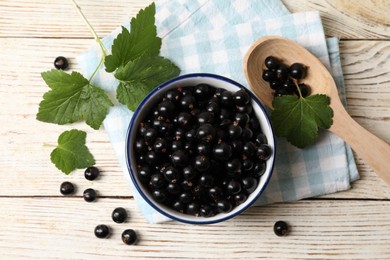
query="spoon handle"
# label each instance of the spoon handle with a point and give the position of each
(374, 151)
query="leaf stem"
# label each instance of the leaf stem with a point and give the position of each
(48, 145)
(299, 90)
(97, 39)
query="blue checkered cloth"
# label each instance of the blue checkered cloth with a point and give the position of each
(213, 36)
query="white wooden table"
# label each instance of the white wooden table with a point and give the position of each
(38, 222)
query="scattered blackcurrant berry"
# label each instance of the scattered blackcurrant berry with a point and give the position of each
(280, 228)
(129, 237)
(102, 231)
(67, 188)
(89, 195)
(119, 215)
(61, 63)
(91, 173)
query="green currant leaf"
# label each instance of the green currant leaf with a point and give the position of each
(71, 99)
(142, 75)
(71, 152)
(141, 39)
(298, 119)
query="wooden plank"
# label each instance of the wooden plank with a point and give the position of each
(349, 19)
(63, 228)
(35, 18)
(26, 160)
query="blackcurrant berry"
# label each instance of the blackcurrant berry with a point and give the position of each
(180, 158)
(206, 211)
(89, 195)
(241, 97)
(233, 186)
(224, 206)
(222, 151)
(159, 195)
(91, 173)
(193, 208)
(249, 183)
(280, 228)
(272, 62)
(157, 181)
(202, 91)
(129, 237)
(67, 188)
(282, 71)
(206, 133)
(61, 63)
(166, 109)
(269, 75)
(119, 215)
(263, 152)
(102, 231)
(202, 163)
(298, 71)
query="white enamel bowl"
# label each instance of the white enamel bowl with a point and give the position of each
(150, 102)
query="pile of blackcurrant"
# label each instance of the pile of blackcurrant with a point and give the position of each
(284, 79)
(201, 151)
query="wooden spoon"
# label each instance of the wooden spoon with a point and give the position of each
(374, 151)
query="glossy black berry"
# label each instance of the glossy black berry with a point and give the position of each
(263, 152)
(119, 215)
(158, 181)
(61, 63)
(206, 133)
(202, 163)
(282, 71)
(67, 188)
(249, 183)
(298, 71)
(89, 195)
(241, 97)
(180, 158)
(91, 173)
(280, 228)
(206, 210)
(193, 208)
(224, 206)
(222, 151)
(233, 186)
(102, 231)
(166, 109)
(202, 91)
(129, 236)
(269, 75)
(272, 62)
(303, 88)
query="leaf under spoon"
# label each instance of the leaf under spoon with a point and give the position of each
(374, 151)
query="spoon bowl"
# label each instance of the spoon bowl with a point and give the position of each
(374, 151)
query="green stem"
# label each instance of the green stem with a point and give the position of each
(97, 68)
(48, 145)
(97, 39)
(299, 90)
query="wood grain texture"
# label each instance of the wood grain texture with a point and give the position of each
(63, 228)
(349, 19)
(39, 223)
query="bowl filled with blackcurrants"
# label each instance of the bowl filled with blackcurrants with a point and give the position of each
(200, 148)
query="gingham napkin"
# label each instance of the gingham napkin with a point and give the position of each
(213, 36)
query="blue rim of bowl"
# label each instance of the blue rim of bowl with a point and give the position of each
(132, 173)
